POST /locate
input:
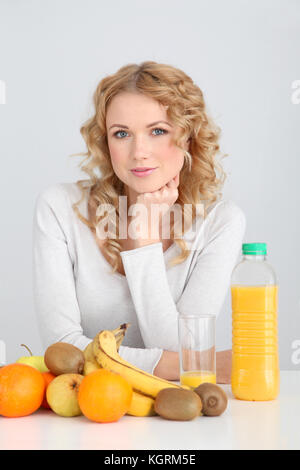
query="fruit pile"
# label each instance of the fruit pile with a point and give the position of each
(99, 384)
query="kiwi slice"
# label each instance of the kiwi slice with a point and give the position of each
(64, 358)
(214, 399)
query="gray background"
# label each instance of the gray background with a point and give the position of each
(244, 55)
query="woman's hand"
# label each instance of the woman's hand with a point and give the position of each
(168, 367)
(164, 199)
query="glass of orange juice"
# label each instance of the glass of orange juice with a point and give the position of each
(197, 352)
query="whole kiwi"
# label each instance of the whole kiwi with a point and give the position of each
(177, 404)
(214, 399)
(64, 358)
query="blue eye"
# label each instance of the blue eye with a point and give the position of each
(115, 134)
(156, 129)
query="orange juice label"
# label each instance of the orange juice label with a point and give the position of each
(255, 363)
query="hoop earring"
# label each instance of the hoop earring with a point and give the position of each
(187, 156)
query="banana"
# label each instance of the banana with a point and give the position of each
(90, 367)
(91, 364)
(120, 333)
(141, 405)
(89, 354)
(106, 354)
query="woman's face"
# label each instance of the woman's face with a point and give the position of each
(135, 141)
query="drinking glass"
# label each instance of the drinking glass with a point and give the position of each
(197, 353)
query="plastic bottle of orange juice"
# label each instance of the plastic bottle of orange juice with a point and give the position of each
(254, 293)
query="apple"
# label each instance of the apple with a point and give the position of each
(34, 361)
(62, 392)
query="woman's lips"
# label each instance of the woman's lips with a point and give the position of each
(143, 173)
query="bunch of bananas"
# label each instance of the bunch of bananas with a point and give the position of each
(102, 352)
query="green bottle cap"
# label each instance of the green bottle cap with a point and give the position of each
(254, 248)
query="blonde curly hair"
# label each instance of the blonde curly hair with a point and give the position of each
(199, 183)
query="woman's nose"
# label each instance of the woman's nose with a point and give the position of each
(140, 149)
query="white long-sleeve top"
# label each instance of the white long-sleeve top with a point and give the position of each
(76, 295)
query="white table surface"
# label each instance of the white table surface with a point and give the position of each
(244, 425)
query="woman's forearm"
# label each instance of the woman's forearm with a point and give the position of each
(223, 366)
(168, 366)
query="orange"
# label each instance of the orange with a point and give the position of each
(21, 390)
(104, 396)
(48, 377)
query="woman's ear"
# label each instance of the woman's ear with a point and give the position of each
(187, 144)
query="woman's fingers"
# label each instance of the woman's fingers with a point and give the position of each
(174, 183)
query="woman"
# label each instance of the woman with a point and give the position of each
(146, 116)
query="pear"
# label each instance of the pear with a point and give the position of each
(34, 361)
(62, 393)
